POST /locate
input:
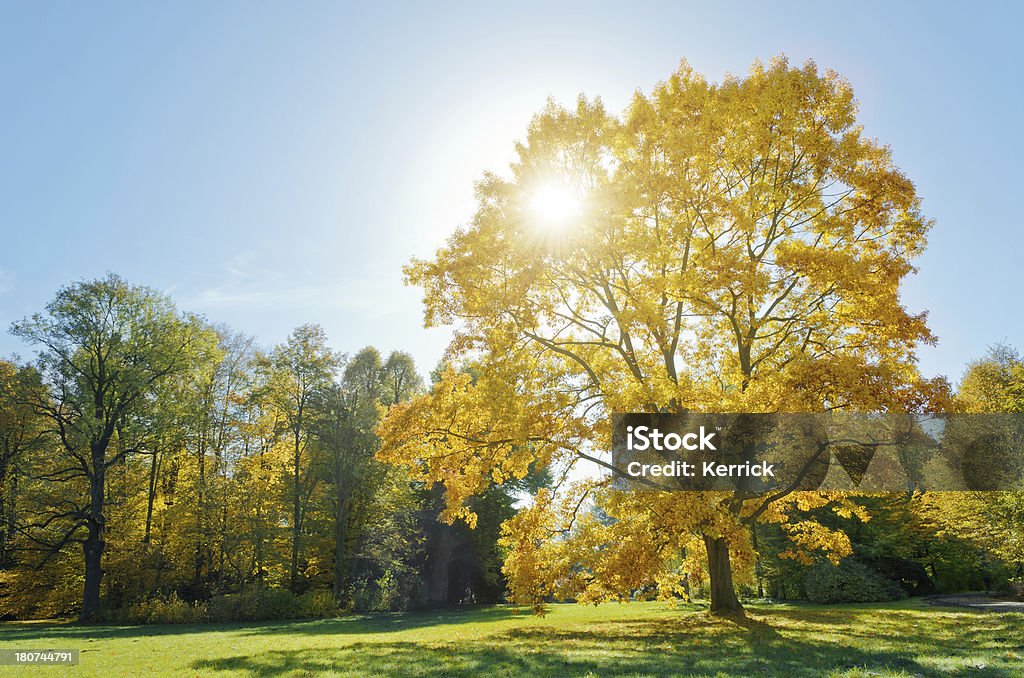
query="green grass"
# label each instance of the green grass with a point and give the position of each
(903, 639)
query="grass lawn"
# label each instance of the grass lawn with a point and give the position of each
(903, 639)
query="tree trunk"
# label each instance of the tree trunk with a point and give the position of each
(7, 499)
(340, 523)
(440, 561)
(197, 574)
(723, 596)
(757, 562)
(151, 499)
(293, 574)
(95, 541)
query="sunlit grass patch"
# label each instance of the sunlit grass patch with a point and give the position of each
(638, 639)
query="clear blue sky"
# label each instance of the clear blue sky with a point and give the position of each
(276, 163)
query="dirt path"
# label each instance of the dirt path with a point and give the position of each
(978, 601)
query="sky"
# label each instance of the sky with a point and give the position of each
(270, 164)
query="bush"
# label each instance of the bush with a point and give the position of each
(255, 605)
(266, 604)
(1017, 587)
(169, 610)
(52, 592)
(318, 604)
(849, 582)
(909, 574)
(225, 608)
(386, 594)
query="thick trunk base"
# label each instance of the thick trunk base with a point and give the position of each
(93, 551)
(724, 602)
(438, 579)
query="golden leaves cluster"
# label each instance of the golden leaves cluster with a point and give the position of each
(740, 247)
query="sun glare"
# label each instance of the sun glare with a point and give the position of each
(554, 206)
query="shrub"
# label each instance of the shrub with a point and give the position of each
(389, 593)
(318, 604)
(26, 593)
(1017, 587)
(273, 603)
(169, 610)
(909, 574)
(225, 608)
(255, 605)
(849, 582)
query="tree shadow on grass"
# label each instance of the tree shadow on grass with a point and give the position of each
(697, 646)
(472, 660)
(963, 631)
(393, 623)
(14, 631)
(356, 624)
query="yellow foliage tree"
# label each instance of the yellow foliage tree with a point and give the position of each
(733, 246)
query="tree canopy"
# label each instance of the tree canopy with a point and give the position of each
(105, 347)
(735, 246)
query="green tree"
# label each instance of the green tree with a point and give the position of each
(995, 520)
(299, 370)
(351, 412)
(21, 432)
(104, 349)
(993, 383)
(399, 379)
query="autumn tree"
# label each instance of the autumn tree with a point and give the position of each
(992, 384)
(350, 411)
(181, 461)
(210, 398)
(299, 370)
(735, 246)
(346, 433)
(104, 347)
(22, 432)
(253, 510)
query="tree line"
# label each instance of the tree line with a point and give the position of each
(733, 247)
(147, 452)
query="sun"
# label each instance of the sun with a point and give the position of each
(554, 206)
